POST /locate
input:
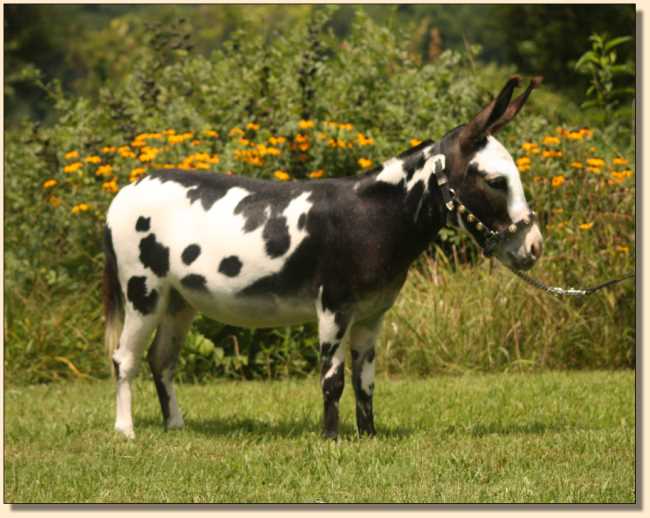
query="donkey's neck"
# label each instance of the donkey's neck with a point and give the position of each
(406, 186)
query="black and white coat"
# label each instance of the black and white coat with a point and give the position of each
(259, 253)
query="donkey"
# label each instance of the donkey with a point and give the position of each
(258, 253)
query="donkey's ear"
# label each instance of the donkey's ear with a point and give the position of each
(515, 106)
(477, 129)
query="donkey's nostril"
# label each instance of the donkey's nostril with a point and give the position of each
(536, 249)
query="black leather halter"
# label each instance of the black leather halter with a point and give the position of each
(486, 238)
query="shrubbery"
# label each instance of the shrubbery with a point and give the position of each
(301, 105)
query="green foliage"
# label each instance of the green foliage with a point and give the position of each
(553, 437)
(299, 105)
(602, 66)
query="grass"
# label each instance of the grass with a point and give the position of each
(529, 438)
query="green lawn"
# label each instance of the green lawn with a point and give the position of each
(552, 437)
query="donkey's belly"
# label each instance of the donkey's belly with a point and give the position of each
(252, 311)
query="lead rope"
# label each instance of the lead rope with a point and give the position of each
(570, 292)
(491, 238)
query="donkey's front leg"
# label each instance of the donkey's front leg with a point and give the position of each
(363, 336)
(332, 325)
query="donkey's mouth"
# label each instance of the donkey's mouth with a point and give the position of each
(521, 263)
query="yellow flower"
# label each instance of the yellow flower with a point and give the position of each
(575, 135)
(71, 168)
(210, 133)
(125, 152)
(620, 161)
(523, 164)
(576, 165)
(551, 141)
(55, 201)
(147, 157)
(346, 126)
(136, 173)
(586, 132)
(305, 124)
(71, 154)
(175, 139)
(594, 170)
(551, 154)
(623, 249)
(364, 163)
(236, 132)
(169, 132)
(557, 181)
(415, 142)
(213, 159)
(110, 186)
(595, 162)
(281, 175)
(277, 141)
(363, 140)
(530, 147)
(244, 142)
(80, 207)
(108, 149)
(196, 142)
(585, 226)
(252, 126)
(104, 170)
(94, 159)
(48, 184)
(319, 173)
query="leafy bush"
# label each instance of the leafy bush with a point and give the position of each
(297, 106)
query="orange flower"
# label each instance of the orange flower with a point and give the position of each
(110, 186)
(557, 181)
(104, 170)
(277, 141)
(585, 226)
(48, 184)
(81, 207)
(620, 161)
(319, 173)
(523, 164)
(94, 159)
(415, 142)
(283, 176)
(305, 124)
(210, 133)
(595, 162)
(363, 140)
(623, 249)
(576, 165)
(575, 135)
(364, 163)
(551, 141)
(551, 154)
(252, 126)
(71, 168)
(71, 154)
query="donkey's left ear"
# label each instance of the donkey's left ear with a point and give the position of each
(478, 128)
(515, 106)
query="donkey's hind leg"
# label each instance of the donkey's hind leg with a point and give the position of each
(163, 356)
(134, 338)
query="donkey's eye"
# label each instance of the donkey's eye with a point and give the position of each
(499, 183)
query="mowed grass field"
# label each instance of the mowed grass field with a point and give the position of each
(530, 438)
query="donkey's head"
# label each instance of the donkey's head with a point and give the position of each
(486, 179)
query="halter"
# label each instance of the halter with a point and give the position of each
(489, 239)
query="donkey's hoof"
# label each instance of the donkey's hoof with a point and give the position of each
(126, 432)
(330, 434)
(175, 424)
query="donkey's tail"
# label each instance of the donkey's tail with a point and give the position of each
(113, 305)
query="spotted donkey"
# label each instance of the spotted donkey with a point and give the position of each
(260, 254)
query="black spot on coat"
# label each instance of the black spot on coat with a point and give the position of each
(276, 236)
(195, 281)
(230, 266)
(154, 255)
(143, 224)
(136, 292)
(190, 254)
